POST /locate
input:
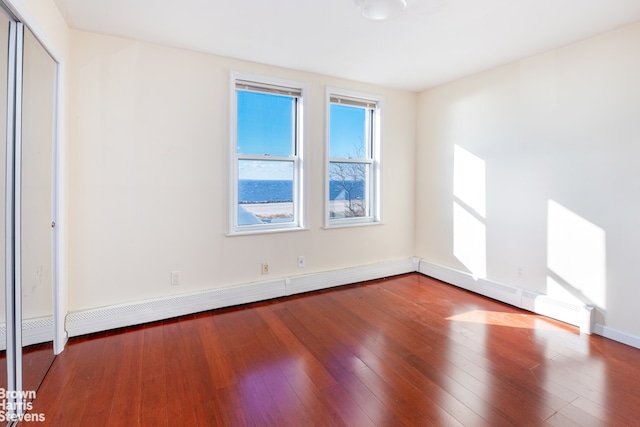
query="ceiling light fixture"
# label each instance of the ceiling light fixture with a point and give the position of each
(379, 10)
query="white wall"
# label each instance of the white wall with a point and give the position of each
(148, 166)
(545, 158)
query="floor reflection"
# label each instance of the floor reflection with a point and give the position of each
(36, 361)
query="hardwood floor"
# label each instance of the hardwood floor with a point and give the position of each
(404, 351)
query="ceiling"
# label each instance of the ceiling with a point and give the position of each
(432, 42)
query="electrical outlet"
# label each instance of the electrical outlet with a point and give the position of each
(301, 261)
(175, 277)
(265, 268)
(520, 271)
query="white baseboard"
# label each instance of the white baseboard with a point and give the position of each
(123, 315)
(34, 331)
(119, 316)
(577, 315)
(329, 279)
(615, 335)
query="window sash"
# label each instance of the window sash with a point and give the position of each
(268, 88)
(265, 157)
(353, 102)
(237, 227)
(370, 198)
(350, 160)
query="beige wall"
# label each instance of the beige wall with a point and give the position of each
(148, 170)
(535, 164)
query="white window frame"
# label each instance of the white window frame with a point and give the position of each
(372, 158)
(296, 158)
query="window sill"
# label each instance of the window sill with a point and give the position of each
(345, 224)
(265, 231)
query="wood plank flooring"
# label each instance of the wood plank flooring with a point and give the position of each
(403, 351)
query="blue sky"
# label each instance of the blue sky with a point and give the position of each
(265, 126)
(347, 133)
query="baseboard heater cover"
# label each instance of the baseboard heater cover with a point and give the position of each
(581, 316)
(118, 316)
(34, 331)
(313, 282)
(123, 315)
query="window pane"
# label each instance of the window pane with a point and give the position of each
(349, 190)
(348, 134)
(265, 192)
(265, 124)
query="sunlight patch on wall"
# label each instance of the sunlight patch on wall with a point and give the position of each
(469, 210)
(469, 180)
(469, 241)
(559, 292)
(576, 257)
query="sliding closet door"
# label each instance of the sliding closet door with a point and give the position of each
(27, 120)
(4, 43)
(36, 213)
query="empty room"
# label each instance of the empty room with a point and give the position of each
(342, 212)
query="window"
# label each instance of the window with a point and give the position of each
(353, 185)
(267, 147)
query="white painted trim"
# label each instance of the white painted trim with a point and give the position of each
(123, 315)
(17, 208)
(299, 165)
(616, 335)
(577, 315)
(10, 261)
(376, 160)
(59, 302)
